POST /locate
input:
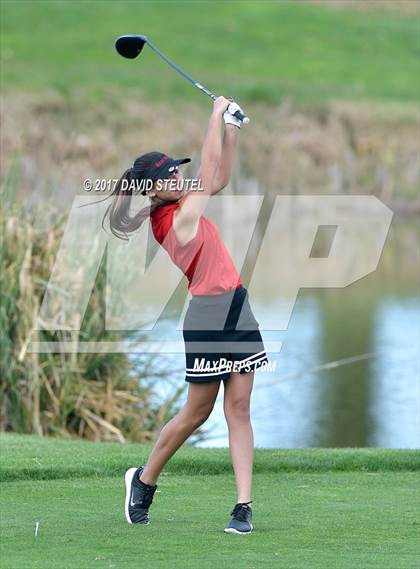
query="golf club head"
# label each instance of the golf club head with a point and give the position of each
(130, 46)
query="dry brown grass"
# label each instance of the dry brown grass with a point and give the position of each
(341, 148)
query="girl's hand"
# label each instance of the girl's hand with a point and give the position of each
(229, 115)
(220, 105)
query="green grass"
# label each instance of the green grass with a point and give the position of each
(251, 50)
(28, 457)
(313, 508)
(302, 520)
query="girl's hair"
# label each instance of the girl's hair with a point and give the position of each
(120, 221)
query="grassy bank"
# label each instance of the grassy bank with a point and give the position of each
(332, 93)
(335, 509)
(56, 142)
(255, 51)
(35, 458)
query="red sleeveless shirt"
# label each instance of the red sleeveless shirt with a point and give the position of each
(204, 260)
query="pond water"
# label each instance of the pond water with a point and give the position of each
(369, 397)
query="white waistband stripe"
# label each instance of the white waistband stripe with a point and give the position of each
(207, 374)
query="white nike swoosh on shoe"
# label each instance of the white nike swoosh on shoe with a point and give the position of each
(131, 499)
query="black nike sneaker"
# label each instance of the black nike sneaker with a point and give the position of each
(138, 497)
(241, 520)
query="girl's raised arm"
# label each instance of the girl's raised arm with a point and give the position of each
(192, 206)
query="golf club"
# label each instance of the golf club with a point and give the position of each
(130, 46)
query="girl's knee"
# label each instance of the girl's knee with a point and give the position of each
(198, 416)
(238, 409)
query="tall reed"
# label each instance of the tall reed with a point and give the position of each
(95, 396)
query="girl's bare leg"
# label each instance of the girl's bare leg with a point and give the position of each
(199, 405)
(237, 397)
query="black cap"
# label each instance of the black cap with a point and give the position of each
(163, 166)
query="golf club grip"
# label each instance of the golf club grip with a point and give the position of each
(241, 117)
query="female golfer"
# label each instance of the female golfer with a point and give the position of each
(222, 339)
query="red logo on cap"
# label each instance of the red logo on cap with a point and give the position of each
(161, 161)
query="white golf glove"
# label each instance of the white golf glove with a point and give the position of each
(229, 117)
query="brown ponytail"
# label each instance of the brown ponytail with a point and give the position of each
(120, 221)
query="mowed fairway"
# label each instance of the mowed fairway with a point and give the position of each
(310, 510)
(255, 51)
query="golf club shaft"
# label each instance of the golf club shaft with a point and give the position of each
(238, 114)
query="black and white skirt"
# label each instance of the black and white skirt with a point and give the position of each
(221, 336)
